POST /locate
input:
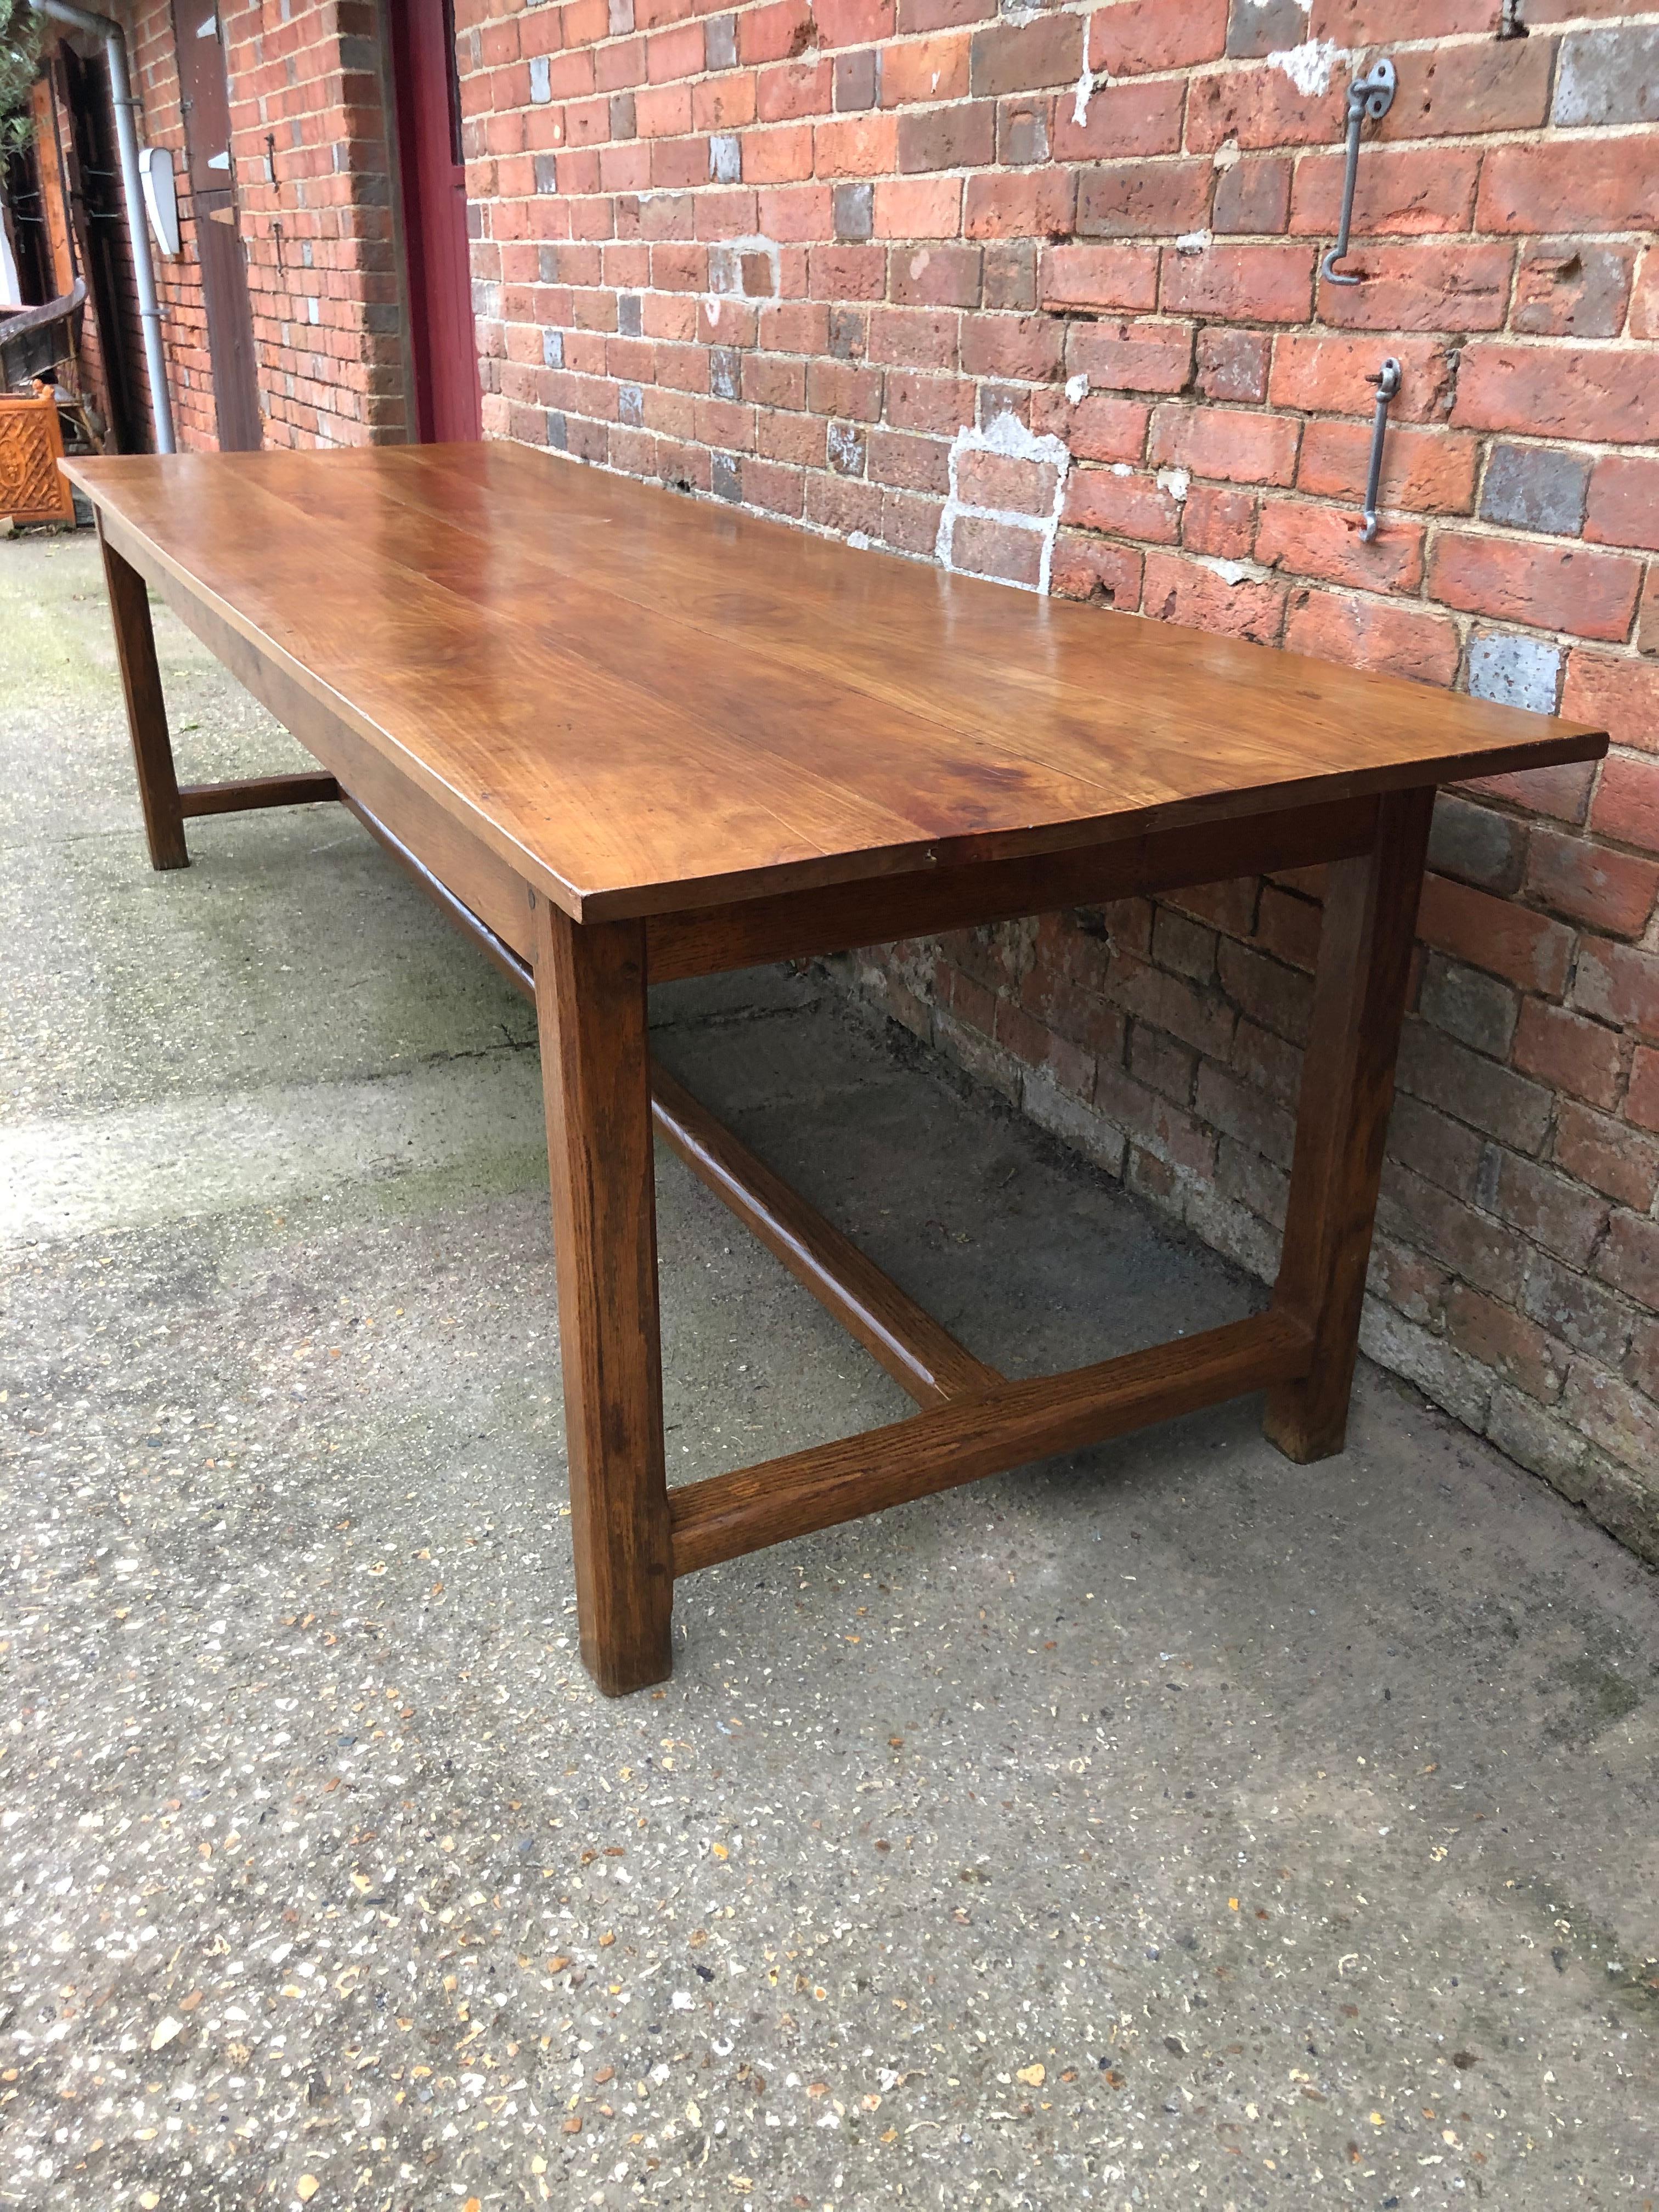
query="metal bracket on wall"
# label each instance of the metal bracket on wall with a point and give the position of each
(1371, 95)
(1387, 381)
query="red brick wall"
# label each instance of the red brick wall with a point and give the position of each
(1037, 293)
(323, 263)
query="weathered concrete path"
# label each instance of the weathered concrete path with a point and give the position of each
(1168, 1826)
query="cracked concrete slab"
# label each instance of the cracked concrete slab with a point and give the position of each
(1162, 1827)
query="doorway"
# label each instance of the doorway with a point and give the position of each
(205, 91)
(433, 189)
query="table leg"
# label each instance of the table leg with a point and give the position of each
(591, 1010)
(1342, 1123)
(146, 714)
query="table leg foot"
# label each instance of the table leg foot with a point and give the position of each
(146, 714)
(1342, 1122)
(591, 1010)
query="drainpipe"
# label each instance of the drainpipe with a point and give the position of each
(143, 268)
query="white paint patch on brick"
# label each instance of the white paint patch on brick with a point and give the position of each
(1194, 241)
(1077, 387)
(1231, 572)
(1309, 65)
(1176, 482)
(1009, 438)
(1084, 94)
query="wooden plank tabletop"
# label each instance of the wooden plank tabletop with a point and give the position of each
(648, 703)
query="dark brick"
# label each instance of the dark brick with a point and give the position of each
(1477, 844)
(1608, 77)
(1570, 1305)
(858, 80)
(1476, 1009)
(719, 42)
(856, 212)
(1535, 488)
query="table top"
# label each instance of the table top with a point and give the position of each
(649, 704)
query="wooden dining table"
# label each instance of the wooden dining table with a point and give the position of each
(623, 736)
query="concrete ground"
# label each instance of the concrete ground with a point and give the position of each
(1163, 1826)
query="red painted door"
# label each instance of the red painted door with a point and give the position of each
(434, 180)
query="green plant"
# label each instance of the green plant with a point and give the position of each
(22, 38)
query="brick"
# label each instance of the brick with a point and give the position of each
(1423, 287)
(1327, 376)
(1220, 523)
(1099, 428)
(1143, 199)
(1619, 983)
(1435, 1067)
(1424, 471)
(1006, 483)
(1256, 27)
(1647, 615)
(1138, 36)
(1163, 1064)
(1234, 446)
(1019, 57)
(926, 70)
(1132, 356)
(1253, 283)
(1624, 501)
(854, 217)
(1009, 275)
(1571, 1306)
(1526, 949)
(1119, 121)
(1627, 802)
(1553, 588)
(1642, 1103)
(1252, 196)
(1535, 487)
(1157, 1124)
(1233, 364)
(1483, 1252)
(1310, 540)
(1260, 108)
(1615, 1417)
(1608, 77)
(1477, 1010)
(1036, 204)
(1493, 85)
(1133, 505)
(1400, 191)
(1366, 633)
(1023, 132)
(1100, 277)
(1198, 1017)
(919, 207)
(1570, 288)
(1570, 183)
(960, 137)
(1630, 1259)
(1442, 1151)
(1546, 392)
(1505, 1340)
(1186, 591)
(1516, 671)
(1608, 1154)
(1562, 1048)
(1591, 884)
(1093, 569)
(1271, 991)
(935, 276)
(1027, 347)
(980, 547)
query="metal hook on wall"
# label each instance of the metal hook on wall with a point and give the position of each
(1371, 95)
(1387, 381)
